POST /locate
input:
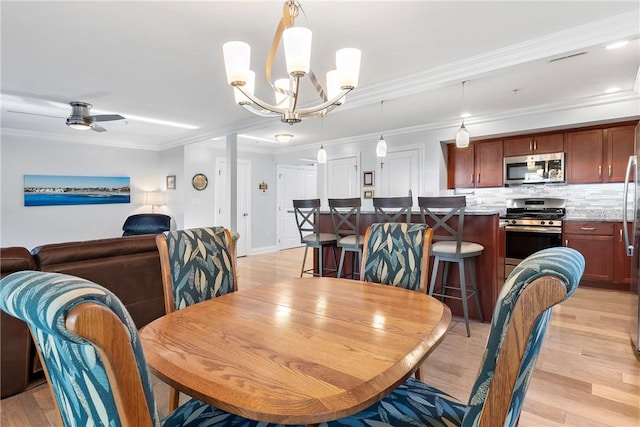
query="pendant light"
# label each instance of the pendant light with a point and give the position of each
(381, 148)
(322, 153)
(462, 137)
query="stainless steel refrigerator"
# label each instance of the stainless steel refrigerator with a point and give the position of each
(631, 217)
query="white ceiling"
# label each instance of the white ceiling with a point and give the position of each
(163, 60)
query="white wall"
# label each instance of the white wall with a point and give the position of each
(199, 206)
(36, 225)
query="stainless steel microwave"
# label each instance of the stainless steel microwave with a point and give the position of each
(534, 169)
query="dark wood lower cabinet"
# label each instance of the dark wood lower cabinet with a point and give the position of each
(482, 229)
(602, 245)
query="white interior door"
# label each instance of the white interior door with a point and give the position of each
(399, 173)
(294, 182)
(343, 178)
(244, 203)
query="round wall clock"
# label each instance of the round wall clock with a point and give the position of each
(199, 181)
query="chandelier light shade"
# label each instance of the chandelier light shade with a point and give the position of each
(297, 52)
(462, 137)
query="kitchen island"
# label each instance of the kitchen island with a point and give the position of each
(480, 226)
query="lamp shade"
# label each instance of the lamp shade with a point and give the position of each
(237, 59)
(348, 67)
(462, 137)
(322, 155)
(381, 148)
(154, 198)
(297, 50)
(248, 87)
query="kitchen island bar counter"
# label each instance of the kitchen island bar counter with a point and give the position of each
(481, 226)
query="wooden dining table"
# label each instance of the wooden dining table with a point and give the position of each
(299, 351)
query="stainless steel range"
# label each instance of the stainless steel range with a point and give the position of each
(531, 224)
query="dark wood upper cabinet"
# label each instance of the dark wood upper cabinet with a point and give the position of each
(478, 165)
(619, 143)
(488, 164)
(599, 155)
(534, 144)
(461, 168)
(595, 154)
(583, 162)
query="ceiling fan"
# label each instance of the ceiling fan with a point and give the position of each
(81, 119)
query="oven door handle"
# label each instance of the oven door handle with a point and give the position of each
(533, 229)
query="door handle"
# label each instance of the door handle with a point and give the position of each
(587, 228)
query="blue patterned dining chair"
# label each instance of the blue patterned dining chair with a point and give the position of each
(519, 322)
(397, 254)
(69, 317)
(92, 355)
(197, 264)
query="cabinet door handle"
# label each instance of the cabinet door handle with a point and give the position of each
(472, 176)
(530, 145)
(600, 171)
(478, 178)
(566, 243)
(535, 144)
(621, 235)
(587, 228)
(609, 171)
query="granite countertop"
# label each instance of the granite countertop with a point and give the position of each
(470, 210)
(597, 214)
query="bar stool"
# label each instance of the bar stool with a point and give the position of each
(345, 215)
(306, 212)
(391, 209)
(449, 247)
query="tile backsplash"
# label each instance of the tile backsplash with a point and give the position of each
(589, 201)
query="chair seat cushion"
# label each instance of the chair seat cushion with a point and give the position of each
(324, 238)
(467, 249)
(351, 241)
(413, 403)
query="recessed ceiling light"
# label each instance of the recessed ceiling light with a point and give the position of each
(618, 44)
(284, 137)
(465, 115)
(612, 89)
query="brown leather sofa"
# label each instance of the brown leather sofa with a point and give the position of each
(128, 266)
(15, 344)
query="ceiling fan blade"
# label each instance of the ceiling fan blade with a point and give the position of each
(106, 117)
(98, 128)
(34, 114)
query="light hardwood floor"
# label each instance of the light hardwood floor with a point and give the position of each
(586, 374)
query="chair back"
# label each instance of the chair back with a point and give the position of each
(306, 212)
(197, 264)
(89, 347)
(392, 209)
(440, 210)
(345, 216)
(519, 322)
(397, 254)
(146, 224)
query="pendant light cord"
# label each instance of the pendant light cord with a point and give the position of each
(381, 116)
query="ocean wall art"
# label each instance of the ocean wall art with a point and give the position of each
(49, 190)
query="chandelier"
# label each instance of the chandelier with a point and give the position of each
(297, 52)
